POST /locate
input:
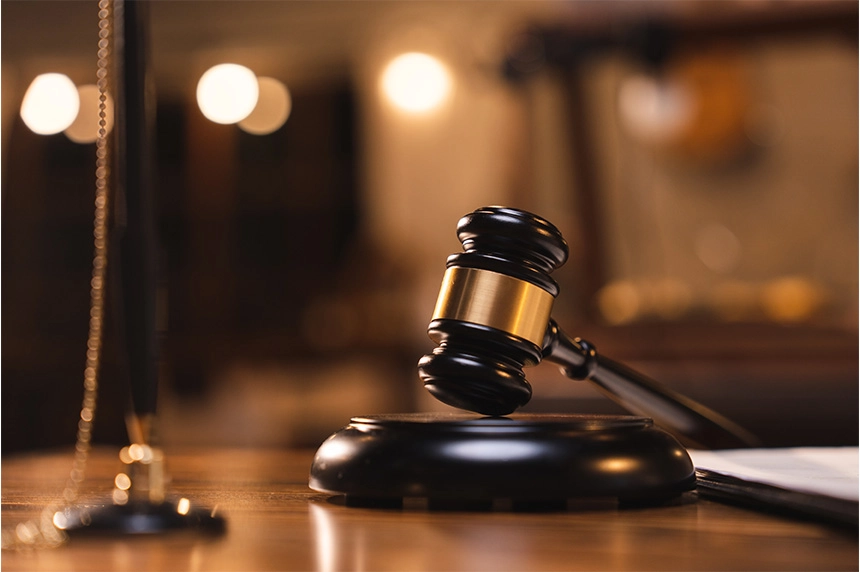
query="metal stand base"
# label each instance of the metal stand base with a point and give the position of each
(139, 518)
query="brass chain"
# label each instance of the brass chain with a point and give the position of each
(43, 532)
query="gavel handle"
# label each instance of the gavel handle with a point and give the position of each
(642, 395)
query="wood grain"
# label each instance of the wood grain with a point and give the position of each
(275, 522)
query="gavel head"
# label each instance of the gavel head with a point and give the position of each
(493, 310)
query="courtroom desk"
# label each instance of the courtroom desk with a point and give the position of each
(275, 522)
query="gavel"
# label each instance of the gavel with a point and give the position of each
(493, 318)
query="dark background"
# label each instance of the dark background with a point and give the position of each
(291, 288)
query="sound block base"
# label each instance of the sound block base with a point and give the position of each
(465, 461)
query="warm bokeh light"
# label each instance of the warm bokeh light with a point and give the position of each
(120, 497)
(60, 521)
(227, 93)
(50, 104)
(626, 301)
(619, 302)
(654, 110)
(183, 506)
(85, 127)
(416, 83)
(273, 108)
(718, 248)
(791, 299)
(122, 481)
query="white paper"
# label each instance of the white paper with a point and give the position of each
(829, 471)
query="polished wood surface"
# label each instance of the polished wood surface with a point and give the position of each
(275, 522)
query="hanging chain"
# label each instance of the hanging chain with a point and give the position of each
(43, 532)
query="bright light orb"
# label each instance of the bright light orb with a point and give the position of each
(272, 110)
(416, 83)
(85, 127)
(227, 93)
(50, 104)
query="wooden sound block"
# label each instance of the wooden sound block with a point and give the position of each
(463, 458)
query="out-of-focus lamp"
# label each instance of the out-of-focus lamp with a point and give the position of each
(85, 127)
(227, 93)
(272, 110)
(50, 104)
(655, 110)
(697, 108)
(416, 83)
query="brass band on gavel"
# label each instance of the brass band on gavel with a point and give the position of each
(495, 300)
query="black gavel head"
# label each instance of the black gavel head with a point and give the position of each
(493, 310)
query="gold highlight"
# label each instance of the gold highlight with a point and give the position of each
(495, 300)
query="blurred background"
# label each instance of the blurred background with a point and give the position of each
(701, 159)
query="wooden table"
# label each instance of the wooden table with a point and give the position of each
(275, 522)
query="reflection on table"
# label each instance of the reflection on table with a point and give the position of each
(275, 522)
